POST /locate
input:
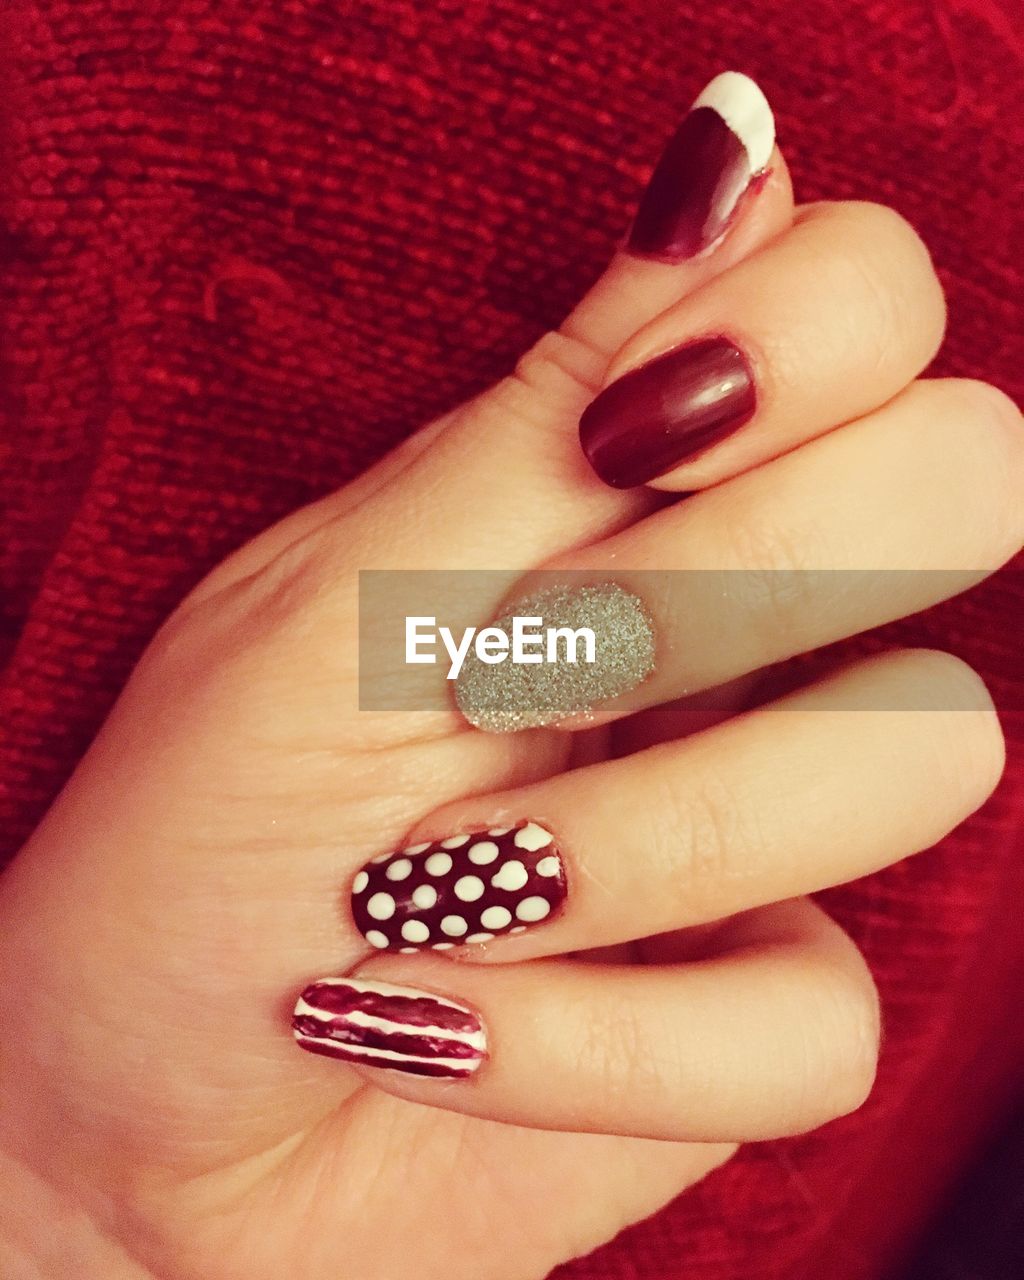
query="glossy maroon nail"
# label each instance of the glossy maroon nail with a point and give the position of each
(466, 888)
(716, 154)
(379, 1024)
(667, 411)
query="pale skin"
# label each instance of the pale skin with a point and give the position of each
(156, 1116)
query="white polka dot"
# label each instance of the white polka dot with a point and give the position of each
(469, 888)
(454, 926)
(360, 882)
(480, 937)
(415, 931)
(532, 909)
(381, 906)
(454, 842)
(382, 857)
(399, 869)
(495, 917)
(424, 896)
(408, 951)
(438, 864)
(376, 939)
(532, 837)
(484, 852)
(499, 831)
(518, 928)
(511, 876)
(442, 946)
(549, 866)
(417, 848)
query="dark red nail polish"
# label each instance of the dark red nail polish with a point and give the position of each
(667, 411)
(466, 888)
(379, 1024)
(694, 193)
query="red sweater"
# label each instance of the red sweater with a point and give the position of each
(247, 245)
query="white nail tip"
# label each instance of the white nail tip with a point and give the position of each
(744, 108)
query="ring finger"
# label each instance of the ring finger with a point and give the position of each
(822, 787)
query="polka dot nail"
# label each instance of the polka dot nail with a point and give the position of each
(464, 889)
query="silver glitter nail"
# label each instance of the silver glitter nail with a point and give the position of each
(507, 696)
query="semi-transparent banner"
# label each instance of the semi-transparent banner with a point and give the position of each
(510, 651)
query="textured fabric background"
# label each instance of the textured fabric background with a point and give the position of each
(247, 245)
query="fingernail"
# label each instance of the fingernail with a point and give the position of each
(723, 144)
(378, 1024)
(466, 888)
(508, 696)
(667, 411)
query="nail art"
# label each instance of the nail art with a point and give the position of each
(378, 1024)
(722, 146)
(467, 888)
(505, 697)
(667, 411)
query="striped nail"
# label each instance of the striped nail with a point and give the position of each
(466, 888)
(377, 1024)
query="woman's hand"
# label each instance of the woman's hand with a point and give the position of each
(195, 876)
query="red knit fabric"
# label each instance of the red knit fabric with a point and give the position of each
(247, 245)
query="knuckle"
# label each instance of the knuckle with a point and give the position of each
(558, 369)
(994, 422)
(882, 262)
(705, 845)
(614, 1049)
(986, 409)
(839, 1053)
(881, 224)
(968, 743)
(760, 542)
(855, 1056)
(777, 577)
(880, 234)
(978, 425)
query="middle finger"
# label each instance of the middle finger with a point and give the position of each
(819, 327)
(875, 521)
